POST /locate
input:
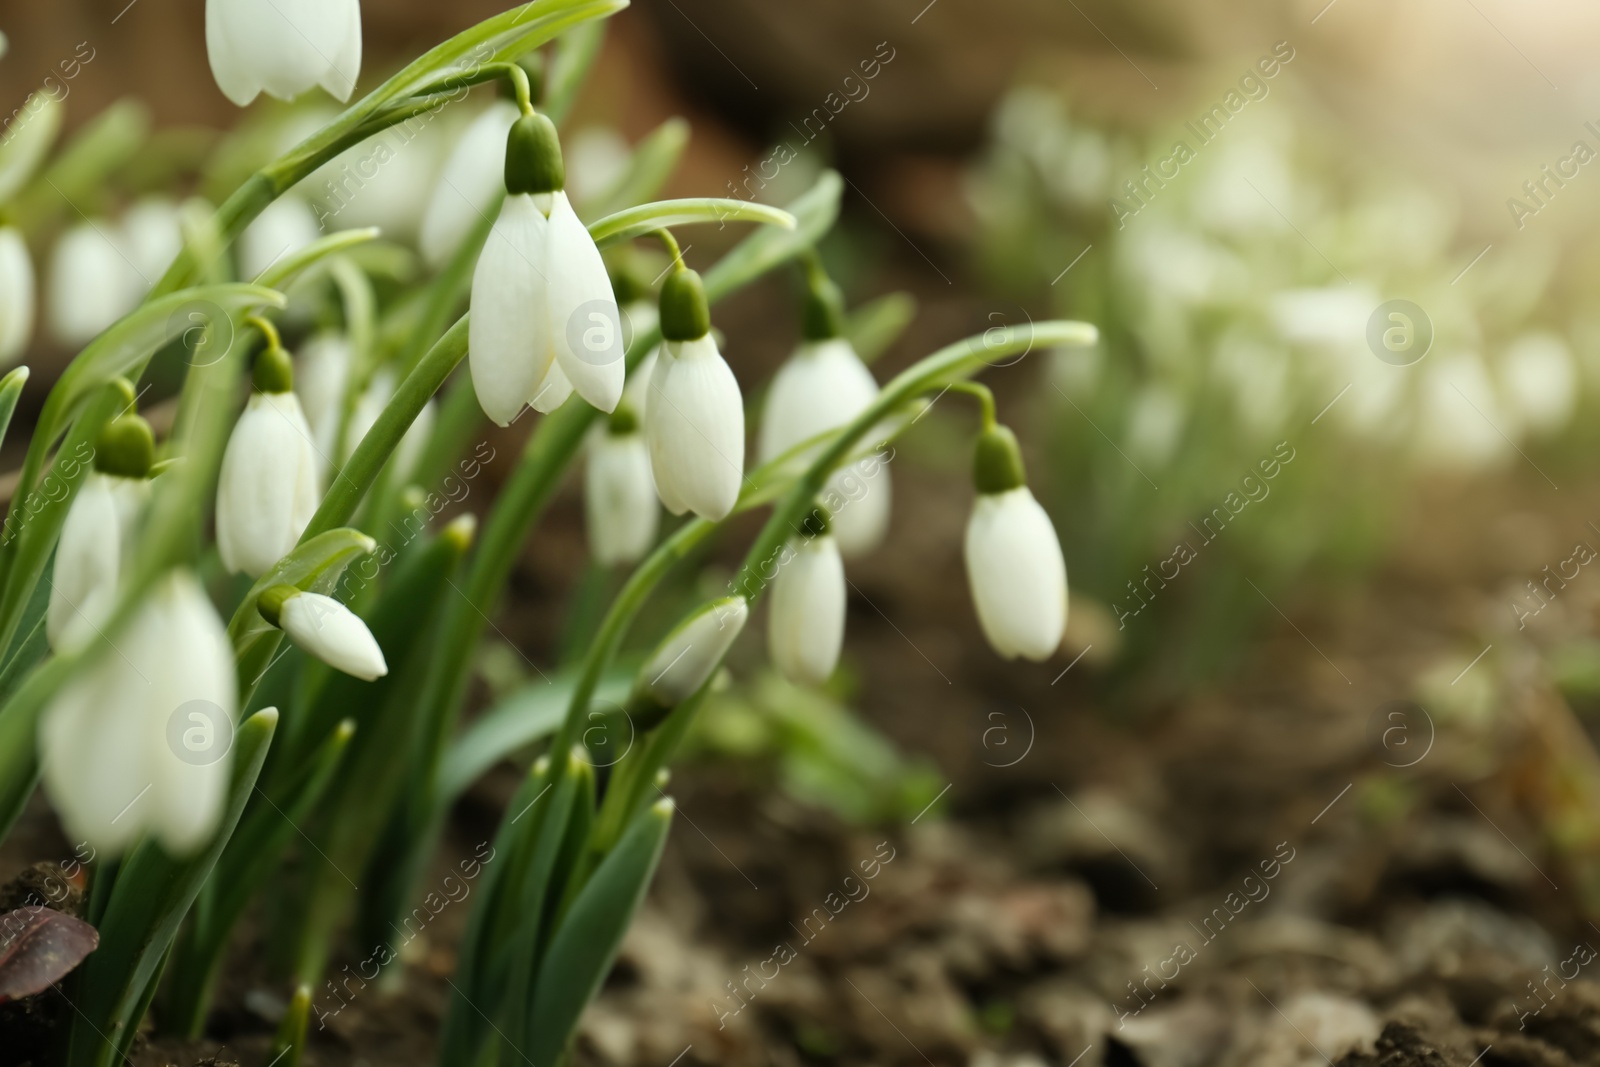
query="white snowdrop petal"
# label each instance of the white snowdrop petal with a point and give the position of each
(696, 429)
(16, 295)
(472, 180)
(620, 506)
(805, 630)
(152, 237)
(1017, 574)
(584, 321)
(267, 491)
(321, 375)
(688, 656)
(236, 78)
(552, 391)
(91, 284)
(334, 634)
(192, 678)
(89, 555)
(861, 521)
(285, 227)
(507, 343)
(139, 743)
(289, 46)
(823, 386)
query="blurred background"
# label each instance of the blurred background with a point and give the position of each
(1325, 492)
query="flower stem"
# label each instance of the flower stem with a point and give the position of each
(984, 397)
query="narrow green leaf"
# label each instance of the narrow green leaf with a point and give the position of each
(647, 218)
(814, 212)
(10, 390)
(287, 270)
(29, 136)
(654, 159)
(530, 714)
(877, 324)
(589, 938)
(575, 53)
(246, 864)
(153, 893)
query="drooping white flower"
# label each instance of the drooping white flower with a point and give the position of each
(139, 742)
(326, 629)
(685, 660)
(92, 283)
(1540, 381)
(1015, 567)
(822, 387)
(543, 313)
(286, 226)
(370, 406)
(596, 158)
(96, 542)
(620, 505)
(152, 237)
(805, 630)
(16, 295)
(268, 489)
(472, 180)
(864, 493)
(322, 374)
(283, 47)
(695, 428)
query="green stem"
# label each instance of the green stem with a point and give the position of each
(984, 397)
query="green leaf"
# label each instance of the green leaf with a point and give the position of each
(652, 163)
(814, 212)
(252, 854)
(530, 714)
(647, 218)
(29, 137)
(587, 942)
(10, 390)
(153, 893)
(77, 179)
(287, 270)
(575, 53)
(877, 324)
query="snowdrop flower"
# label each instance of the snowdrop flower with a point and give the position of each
(268, 490)
(544, 320)
(322, 374)
(326, 629)
(1014, 561)
(1540, 381)
(92, 284)
(139, 741)
(152, 237)
(370, 405)
(685, 660)
(16, 295)
(283, 47)
(286, 226)
(472, 180)
(695, 415)
(805, 629)
(97, 534)
(620, 505)
(822, 387)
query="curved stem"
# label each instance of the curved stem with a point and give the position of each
(984, 397)
(670, 243)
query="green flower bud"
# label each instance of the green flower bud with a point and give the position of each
(997, 462)
(274, 371)
(126, 447)
(685, 314)
(270, 603)
(623, 421)
(823, 318)
(533, 157)
(817, 523)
